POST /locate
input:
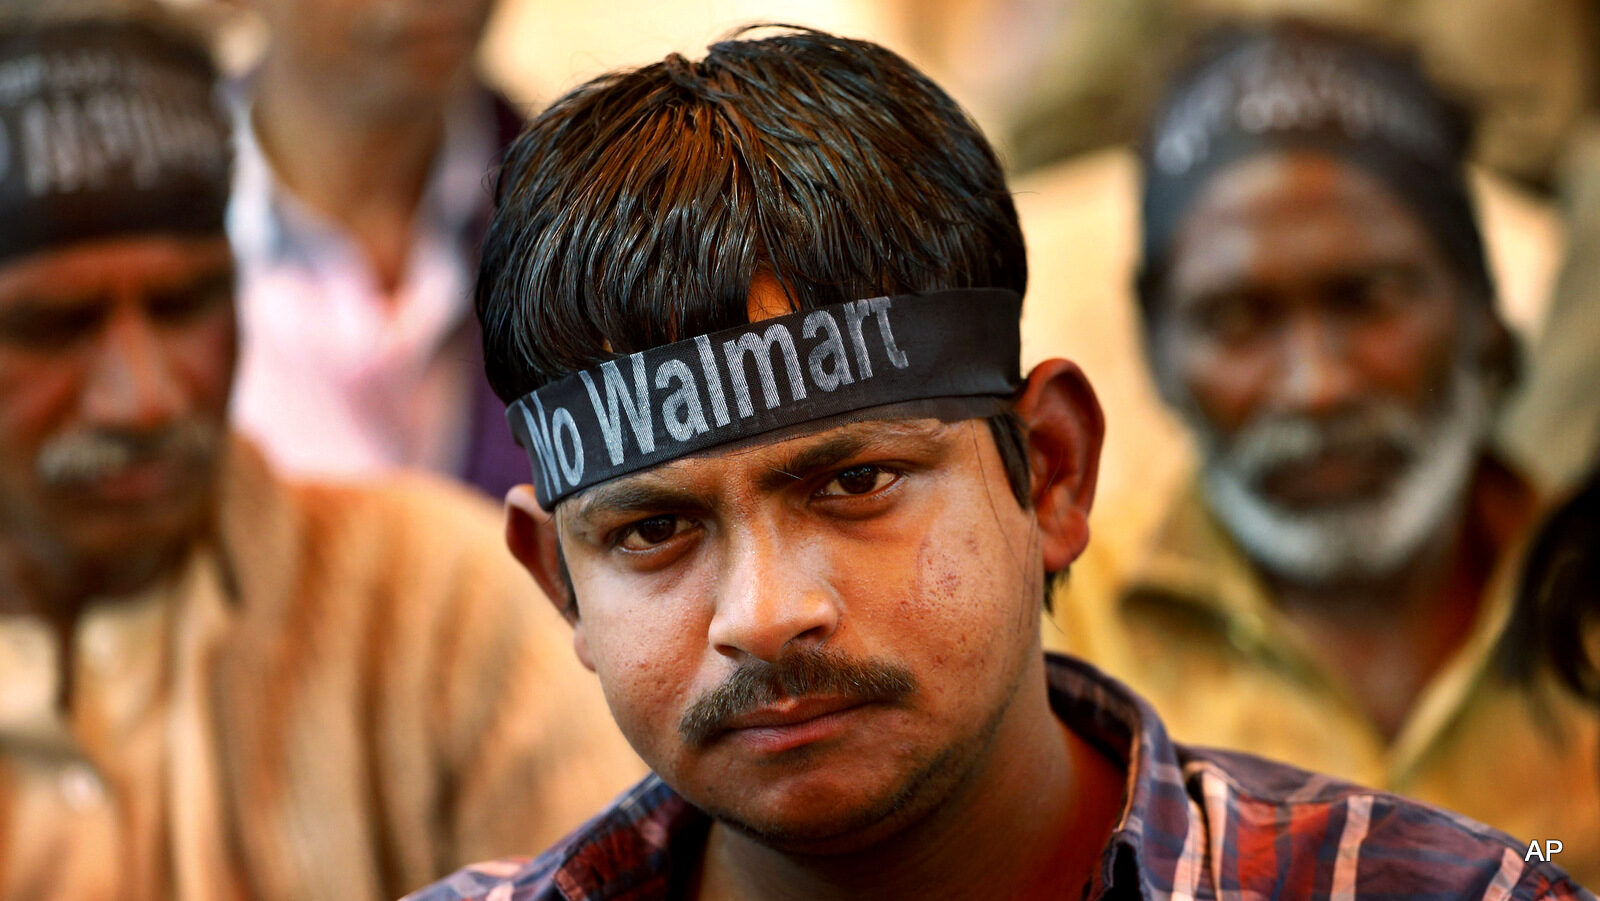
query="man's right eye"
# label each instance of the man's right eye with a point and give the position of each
(649, 533)
(48, 327)
(1230, 318)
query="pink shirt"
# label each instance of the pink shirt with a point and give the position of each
(336, 379)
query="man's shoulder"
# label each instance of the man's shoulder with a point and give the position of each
(636, 842)
(1201, 819)
(1368, 841)
(407, 538)
(510, 879)
(405, 506)
(398, 507)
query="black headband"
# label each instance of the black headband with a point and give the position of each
(107, 129)
(1283, 88)
(647, 408)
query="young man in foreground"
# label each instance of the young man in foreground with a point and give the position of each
(757, 320)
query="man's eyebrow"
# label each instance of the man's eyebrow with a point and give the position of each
(836, 449)
(629, 496)
(824, 455)
(650, 493)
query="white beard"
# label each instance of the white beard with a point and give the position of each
(1359, 540)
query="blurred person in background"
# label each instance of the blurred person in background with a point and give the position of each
(1331, 585)
(359, 200)
(215, 684)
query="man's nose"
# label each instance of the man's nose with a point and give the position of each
(768, 597)
(1317, 376)
(131, 382)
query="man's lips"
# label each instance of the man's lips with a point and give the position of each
(791, 722)
(137, 483)
(1332, 478)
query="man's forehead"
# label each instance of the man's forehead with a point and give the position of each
(91, 264)
(1285, 181)
(787, 452)
(1297, 201)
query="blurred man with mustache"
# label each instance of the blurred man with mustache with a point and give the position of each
(757, 320)
(1318, 309)
(215, 684)
(360, 197)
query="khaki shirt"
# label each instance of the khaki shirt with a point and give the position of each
(1188, 624)
(75, 778)
(331, 700)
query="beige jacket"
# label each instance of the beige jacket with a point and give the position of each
(356, 691)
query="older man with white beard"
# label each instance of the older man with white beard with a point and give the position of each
(1331, 586)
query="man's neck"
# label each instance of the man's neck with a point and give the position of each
(1030, 823)
(1386, 638)
(364, 172)
(57, 588)
(59, 591)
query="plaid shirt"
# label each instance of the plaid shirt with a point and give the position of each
(1197, 824)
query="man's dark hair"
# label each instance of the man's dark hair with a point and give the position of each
(637, 209)
(1558, 599)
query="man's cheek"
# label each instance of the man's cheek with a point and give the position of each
(944, 596)
(207, 357)
(644, 683)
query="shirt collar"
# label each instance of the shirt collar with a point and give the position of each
(1150, 834)
(646, 843)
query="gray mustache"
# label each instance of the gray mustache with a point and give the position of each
(813, 671)
(1270, 443)
(87, 456)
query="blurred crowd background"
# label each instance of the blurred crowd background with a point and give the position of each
(1064, 88)
(359, 357)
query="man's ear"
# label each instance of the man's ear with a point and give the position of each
(531, 536)
(1065, 431)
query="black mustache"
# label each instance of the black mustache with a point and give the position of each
(812, 671)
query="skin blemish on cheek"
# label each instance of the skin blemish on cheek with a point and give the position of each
(939, 600)
(940, 572)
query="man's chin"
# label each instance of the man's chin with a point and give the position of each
(126, 552)
(848, 824)
(832, 816)
(1350, 541)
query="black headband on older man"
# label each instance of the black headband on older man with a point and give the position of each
(1293, 86)
(107, 129)
(946, 355)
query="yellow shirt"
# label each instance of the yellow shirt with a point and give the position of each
(1189, 625)
(97, 790)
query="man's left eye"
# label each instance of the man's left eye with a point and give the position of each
(652, 532)
(859, 480)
